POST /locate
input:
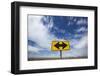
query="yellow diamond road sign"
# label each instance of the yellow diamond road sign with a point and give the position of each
(60, 46)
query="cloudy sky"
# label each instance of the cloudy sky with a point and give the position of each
(42, 30)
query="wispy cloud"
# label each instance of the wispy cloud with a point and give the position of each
(81, 43)
(33, 49)
(47, 21)
(81, 21)
(78, 48)
(82, 29)
(39, 33)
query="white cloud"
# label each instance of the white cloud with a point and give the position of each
(33, 49)
(81, 43)
(74, 19)
(69, 23)
(82, 29)
(79, 48)
(38, 33)
(49, 21)
(81, 21)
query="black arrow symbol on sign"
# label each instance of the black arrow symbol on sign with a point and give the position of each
(63, 45)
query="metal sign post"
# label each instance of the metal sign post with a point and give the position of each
(60, 54)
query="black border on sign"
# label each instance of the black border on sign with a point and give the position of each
(15, 37)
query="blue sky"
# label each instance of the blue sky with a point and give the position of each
(42, 30)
